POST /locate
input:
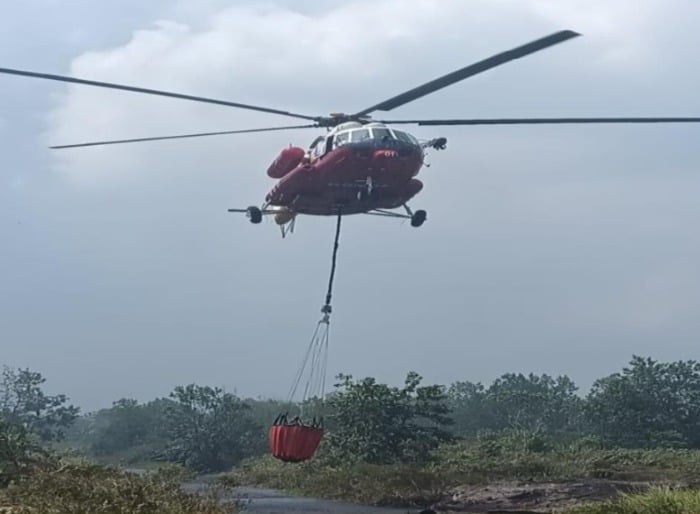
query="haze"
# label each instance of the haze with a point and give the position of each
(557, 249)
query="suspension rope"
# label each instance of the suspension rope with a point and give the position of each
(327, 307)
(317, 351)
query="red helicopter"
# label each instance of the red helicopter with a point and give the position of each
(359, 165)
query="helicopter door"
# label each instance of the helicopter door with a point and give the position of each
(329, 144)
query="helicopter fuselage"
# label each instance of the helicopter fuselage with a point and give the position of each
(355, 168)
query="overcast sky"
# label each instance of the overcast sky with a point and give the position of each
(561, 249)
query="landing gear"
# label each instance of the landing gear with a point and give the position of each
(418, 218)
(254, 213)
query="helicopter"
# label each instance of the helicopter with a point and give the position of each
(360, 165)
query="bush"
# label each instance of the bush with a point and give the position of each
(519, 455)
(209, 429)
(19, 455)
(378, 424)
(370, 484)
(515, 456)
(87, 489)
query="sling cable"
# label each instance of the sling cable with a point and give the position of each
(296, 440)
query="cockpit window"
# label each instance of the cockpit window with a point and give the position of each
(381, 134)
(359, 135)
(405, 137)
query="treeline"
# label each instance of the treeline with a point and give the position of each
(648, 404)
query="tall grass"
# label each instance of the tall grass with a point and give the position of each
(92, 489)
(659, 500)
(491, 458)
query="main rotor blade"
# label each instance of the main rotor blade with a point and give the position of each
(468, 71)
(73, 80)
(542, 121)
(181, 136)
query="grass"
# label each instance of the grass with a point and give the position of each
(81, 488)
(483, 460)
(660, 500)
(396, 485)
(487, 459)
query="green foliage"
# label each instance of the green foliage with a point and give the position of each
(129, 425)
(23, 402)
(472, 411)
(263, 412)
(523, 455)
(88, 489)
(535, 403)
(209, 429)
(648, 404)
(369, 484)
(531, 419)
(19, 454)
(659, 500)
(511, 456)
(516, 401)
(379, 424)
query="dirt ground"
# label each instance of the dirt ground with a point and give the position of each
(534, 497)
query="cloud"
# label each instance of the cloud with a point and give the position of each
(339, 59)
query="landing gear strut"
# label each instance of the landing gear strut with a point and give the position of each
(417, 218)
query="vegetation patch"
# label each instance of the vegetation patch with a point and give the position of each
(514, 468)
(524, 441)
(87, 489)
(660, 500)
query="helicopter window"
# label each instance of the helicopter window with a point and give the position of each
(318, 146)
(403, 136)
(359, 135)
(381, 133)
(316, 142)
(342, 138)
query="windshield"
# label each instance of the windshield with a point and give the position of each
(381, 133)
(359, 135)
(405, 137)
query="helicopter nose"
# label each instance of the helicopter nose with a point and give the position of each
(384, 154)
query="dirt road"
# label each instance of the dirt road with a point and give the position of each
(494, 498)
(268, 501)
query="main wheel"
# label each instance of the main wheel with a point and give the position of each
(418, 218)
(254, 213)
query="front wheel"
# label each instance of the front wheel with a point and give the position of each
(254, 213)
(418, 218)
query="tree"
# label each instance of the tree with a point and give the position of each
(379, 424)
(535, 403)
(209, 429)
(472, 411)
(648, 404)
(130, 426)
(532, 403)
(19, 454)
(23, 402)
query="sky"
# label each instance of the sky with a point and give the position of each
(547, 249)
